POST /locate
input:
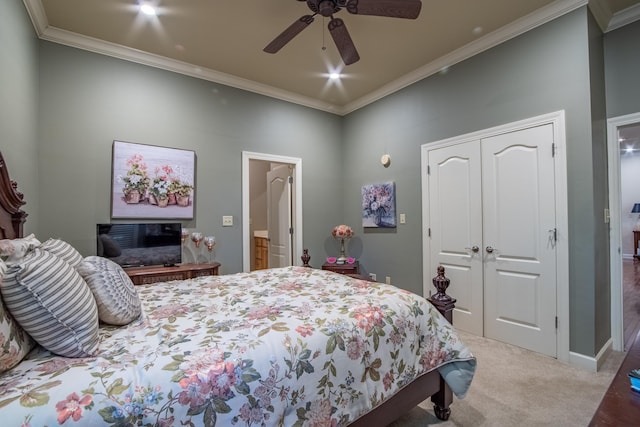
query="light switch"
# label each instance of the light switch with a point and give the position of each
(403, 219)
(227, 221)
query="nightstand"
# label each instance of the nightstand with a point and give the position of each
(352, 270)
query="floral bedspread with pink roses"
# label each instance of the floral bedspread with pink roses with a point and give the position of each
(281, 347)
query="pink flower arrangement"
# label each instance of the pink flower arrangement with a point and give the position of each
(342, 232)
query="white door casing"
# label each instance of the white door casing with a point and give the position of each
(247, 156)
(615, 227)
(558, 196)
(279, 182)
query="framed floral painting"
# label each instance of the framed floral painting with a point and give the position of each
(379, 205)
(152, 182)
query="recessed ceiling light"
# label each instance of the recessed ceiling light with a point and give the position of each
(147, 9)
(334, 76)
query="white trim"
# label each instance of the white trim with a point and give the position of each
(246, 226)
(588, 362)
(509, 31)
(624, 17)
(557, 119)
(615, 228)
(535, 19)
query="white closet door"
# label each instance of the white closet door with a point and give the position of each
(518, 188)
(455, 210)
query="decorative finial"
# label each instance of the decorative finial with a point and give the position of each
(305, 258)
(441, 283)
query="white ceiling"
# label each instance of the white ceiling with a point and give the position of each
(222, 40)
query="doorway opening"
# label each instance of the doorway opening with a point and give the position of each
(622, 133)
(288, 220)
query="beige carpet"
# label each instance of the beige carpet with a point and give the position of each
(516, 387)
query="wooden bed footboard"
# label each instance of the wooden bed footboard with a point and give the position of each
(428, 385)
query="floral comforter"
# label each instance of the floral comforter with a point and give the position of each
(292, 346)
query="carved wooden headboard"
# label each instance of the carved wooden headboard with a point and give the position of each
(12, 218)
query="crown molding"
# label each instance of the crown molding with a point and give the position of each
(514, 29)
(45, 32)
(624, 17)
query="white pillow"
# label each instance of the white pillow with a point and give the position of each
(63, 250)
(15, 343)
(52, 303)
(12, 250)
(114, 292)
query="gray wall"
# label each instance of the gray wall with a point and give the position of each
(622, 67)
(61, 152)
(544, 70)
(602, 289)
(19, 103)
(89, 100)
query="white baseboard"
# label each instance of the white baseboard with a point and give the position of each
(591, 363)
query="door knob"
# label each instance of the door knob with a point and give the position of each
(489, 249)
(473, 249)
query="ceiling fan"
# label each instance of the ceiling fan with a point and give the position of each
(408, 9)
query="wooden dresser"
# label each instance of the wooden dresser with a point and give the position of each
(159, 273)
(620, 405)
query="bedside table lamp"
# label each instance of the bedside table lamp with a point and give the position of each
(342, 232)
(636, 210)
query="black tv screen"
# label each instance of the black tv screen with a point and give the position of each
(133, 245)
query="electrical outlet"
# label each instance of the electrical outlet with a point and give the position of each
(227, 221)
(372, 276)
(388, 280)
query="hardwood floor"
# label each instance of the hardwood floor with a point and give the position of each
(630, 300)
(620, 406)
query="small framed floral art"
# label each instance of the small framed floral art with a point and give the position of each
(152, 182)
(379, 205)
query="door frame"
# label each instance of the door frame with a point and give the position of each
(615, 226)
(247, 156)
(557, 119)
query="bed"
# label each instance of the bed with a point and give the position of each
(291, 346)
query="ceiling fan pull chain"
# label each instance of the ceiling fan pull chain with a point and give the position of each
(324, 46)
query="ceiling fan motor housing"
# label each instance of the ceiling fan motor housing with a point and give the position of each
(325, 8)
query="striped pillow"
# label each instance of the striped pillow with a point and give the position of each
(15, 343)
(63, 250)
(52, 302)
(115, 293)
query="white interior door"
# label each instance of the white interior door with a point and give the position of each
(279, 212)
(497, 195)
(455, 209)
(519, 234)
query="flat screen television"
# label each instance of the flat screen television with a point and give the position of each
(134, 245)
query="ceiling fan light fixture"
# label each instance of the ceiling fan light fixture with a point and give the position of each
(147, 9)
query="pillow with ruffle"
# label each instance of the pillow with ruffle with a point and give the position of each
(52, 303)
(15, 343)
(12, 250)
(63, 250)
(114, 292)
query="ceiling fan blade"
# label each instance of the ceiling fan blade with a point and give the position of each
(287, 35)
(343, 41)
(408, 9)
